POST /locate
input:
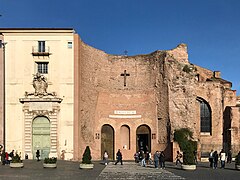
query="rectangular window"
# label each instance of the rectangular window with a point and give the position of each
(70, 45)
(42, 67)
(41, 46)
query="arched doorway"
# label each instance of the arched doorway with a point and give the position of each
(41, 137)
(143, 135)
(107, 141)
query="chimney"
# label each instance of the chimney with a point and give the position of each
(217, 74)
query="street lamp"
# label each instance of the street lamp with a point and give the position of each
(2, 46)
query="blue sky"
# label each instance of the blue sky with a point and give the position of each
(210, 28)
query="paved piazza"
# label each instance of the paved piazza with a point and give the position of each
(130, 171)
(34, 170)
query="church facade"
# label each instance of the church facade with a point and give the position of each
(109, 102)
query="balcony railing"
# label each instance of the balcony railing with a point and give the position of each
(36, 51)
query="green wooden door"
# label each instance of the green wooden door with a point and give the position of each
(41, 137)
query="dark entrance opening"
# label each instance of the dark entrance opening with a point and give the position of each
(107, 141)
(143, 138)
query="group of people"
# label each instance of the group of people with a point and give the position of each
(214, 157)
(6, 157)
(159, 159)
(143, 157)
(118, 155)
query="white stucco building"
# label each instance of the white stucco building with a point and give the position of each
(39, 116)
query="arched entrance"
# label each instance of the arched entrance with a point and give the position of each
(41, 137)
(107, 141)
(143, 135)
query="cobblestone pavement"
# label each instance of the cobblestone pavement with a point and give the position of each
(131, 170)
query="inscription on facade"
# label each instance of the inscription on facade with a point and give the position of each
(125, 117)
(123, 114)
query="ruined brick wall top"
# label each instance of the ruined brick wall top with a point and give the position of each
(238, 100)
(179, 53)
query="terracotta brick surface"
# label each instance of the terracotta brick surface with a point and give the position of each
(158, 89)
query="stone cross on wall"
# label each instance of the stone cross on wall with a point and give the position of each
(125, 74)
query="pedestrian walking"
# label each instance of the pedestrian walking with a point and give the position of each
(222, 158)
(215, 160)
(162, 160)
(105, 158)
(211, 158)
(150, 158)
(38, 155)
(156, 159)
(178, 158)
(119, 157)
(143, 162)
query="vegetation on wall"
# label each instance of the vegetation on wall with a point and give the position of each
(237, 159)
(184, 137)
(189, 68)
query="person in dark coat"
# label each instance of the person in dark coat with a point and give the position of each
(156, 159)
(229, 156)
(147, 157)
(119, 157)
(11, 154)
(3, 157)
(162, 160)
(215, 159)
(211, 158)
(38, 155)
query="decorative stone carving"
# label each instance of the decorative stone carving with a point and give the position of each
(40, 85)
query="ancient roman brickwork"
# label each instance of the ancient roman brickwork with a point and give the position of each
(162, 91)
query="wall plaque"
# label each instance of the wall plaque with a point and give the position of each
(125, 112)
(125, 116)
